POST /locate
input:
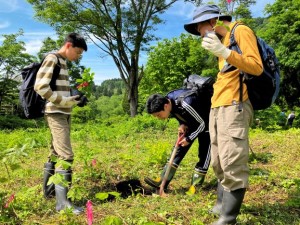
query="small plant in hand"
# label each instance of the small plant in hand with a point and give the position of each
(221, 23)
(85, 82)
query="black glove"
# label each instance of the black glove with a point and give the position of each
(82, 98)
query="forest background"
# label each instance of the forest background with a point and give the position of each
(133, 144)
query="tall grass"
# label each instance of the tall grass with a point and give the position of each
(114, 155)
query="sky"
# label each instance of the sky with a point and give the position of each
(18, 14)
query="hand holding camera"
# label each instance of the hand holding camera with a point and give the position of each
(81, 98)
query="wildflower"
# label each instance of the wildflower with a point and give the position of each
(94, 162)
(11, 198)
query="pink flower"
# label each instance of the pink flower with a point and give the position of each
(94, 162)
(228, 1)
(89, 212)
(11, 198)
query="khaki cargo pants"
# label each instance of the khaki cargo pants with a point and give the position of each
(60, 126)
(229, 128)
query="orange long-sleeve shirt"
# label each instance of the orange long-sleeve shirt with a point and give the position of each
(227, 86)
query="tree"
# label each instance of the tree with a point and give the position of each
(281, 31)
(109, 106)
(12, 60)
(110, 87)
(237, 8)
(171, 61)
(121, 29)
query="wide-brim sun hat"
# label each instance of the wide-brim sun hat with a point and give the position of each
(202, 14)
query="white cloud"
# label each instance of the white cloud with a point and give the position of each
(4, 24)
(8, 6)
(33, 47)
(34, 40)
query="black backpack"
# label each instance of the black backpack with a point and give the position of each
(196, 84)
(33, 104)
(262, 90)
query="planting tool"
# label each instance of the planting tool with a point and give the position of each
(163, 183)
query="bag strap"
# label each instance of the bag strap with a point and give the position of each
(179, 99)
(233, 43)
(234, 46)
(56, 72)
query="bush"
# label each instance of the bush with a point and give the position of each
(271, 119)
(13, 122)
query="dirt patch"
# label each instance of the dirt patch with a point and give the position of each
(131, 187)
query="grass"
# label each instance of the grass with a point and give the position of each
(123, 152)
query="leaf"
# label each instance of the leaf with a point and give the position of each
(112, 220)
(116, 194)
(102, 195)
(64, 164)
(50, 181)
(221, 24)
(53, 158)
(58, 179)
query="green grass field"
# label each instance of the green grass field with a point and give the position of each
(123, 152)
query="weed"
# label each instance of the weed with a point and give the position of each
(113, 156)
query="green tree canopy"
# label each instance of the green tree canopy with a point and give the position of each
(171, 61)
(12, 59)
(239, 9)
(110, 87)
(281, 31)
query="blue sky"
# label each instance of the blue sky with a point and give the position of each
(17, 14)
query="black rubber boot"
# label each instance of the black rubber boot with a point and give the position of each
(157, 182)
(231, 205)
(61, 191)
(218, 206)
(48, 190)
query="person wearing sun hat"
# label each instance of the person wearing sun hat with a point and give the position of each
(205, 13)
(231, 111)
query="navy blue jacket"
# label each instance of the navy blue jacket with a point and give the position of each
(192, 110)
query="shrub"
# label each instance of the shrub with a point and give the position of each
(13, 122)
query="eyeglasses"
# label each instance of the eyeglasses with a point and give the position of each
(79, 52)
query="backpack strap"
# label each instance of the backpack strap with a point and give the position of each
(56, 72)
(233, 43)
(234, 46)
(179, 99)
